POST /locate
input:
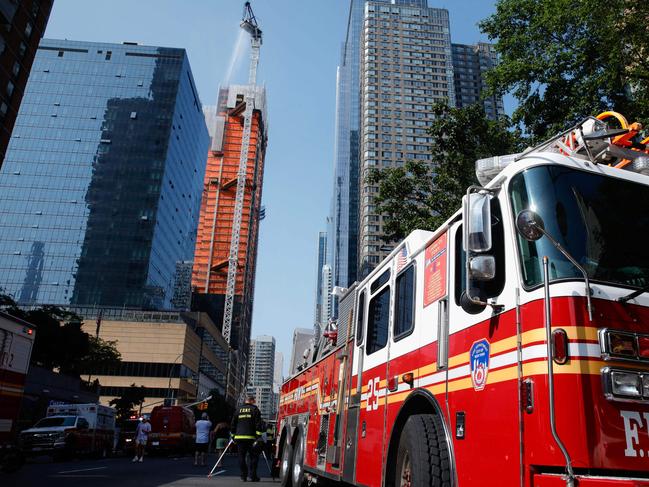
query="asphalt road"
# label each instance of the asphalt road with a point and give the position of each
(121, 472)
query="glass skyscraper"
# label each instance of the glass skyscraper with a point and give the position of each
(101, 187)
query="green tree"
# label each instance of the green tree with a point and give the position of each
(125, 405)
(102, 353)
(422, 195)
(566, 59)
(60, 342)
(218, 409)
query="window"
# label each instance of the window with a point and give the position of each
(404, 302)
(382, 279)
(484, 289)
(361, 317)
(28, 30)
(108, 55)
(378, 319)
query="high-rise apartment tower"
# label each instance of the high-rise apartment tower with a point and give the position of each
(262, 375)
(470, 63)
(23, 25)
(396, 62)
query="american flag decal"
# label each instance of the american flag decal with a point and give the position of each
(401, 258)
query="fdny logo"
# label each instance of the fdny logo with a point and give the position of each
(479, 356)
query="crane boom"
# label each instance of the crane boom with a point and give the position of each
(249, 24)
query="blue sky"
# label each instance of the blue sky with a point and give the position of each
(299, 55)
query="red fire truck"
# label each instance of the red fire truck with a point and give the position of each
(16, 341)
(508, 347)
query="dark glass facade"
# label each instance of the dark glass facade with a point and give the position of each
(470, 63)
(101, 187)
(23, 24)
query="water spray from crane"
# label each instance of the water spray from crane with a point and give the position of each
(249, 25)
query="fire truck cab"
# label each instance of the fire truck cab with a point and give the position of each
(508, 347)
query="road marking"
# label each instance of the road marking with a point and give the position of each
(82, 470)
(73, 476)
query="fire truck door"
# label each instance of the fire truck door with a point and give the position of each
(354, 390)
(371, 421)
(482, 388)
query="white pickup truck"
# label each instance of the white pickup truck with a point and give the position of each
(71, 429)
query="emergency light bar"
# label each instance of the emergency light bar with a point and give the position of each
(488, 168)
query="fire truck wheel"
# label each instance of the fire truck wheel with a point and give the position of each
(423, 457)
(297, 472)
(285, 466)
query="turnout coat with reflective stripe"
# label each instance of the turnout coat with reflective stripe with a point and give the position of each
(246, 424)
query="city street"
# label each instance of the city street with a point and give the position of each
(154, 471)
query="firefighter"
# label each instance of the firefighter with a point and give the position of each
(246, 428)
(270, 439)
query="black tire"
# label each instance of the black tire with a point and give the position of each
(297, 472)
(285, 463)
(423, 458)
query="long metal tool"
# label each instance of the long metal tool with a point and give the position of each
(268, 465)
(209, 475)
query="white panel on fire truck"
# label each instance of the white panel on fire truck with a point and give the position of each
(15, 352)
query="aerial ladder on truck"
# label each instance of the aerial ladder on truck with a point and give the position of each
(250, 25)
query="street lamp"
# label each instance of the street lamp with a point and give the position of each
(171, 371)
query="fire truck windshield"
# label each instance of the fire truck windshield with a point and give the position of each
(603, 222)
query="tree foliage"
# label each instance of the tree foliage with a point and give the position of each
(218, 409)
(125, 405)
(566, 59)
(60, 342)
(422, 195)
(405, 197)
(100, 353)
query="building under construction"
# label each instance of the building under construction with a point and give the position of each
(214, 238)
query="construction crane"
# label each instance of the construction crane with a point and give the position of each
(248, 24)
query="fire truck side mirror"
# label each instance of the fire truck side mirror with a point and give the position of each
(477, 219)
(530, 225)
(482, 267)
(471, 305)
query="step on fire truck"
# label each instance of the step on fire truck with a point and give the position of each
(508, 347)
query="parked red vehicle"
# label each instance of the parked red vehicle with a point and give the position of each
(172, 429)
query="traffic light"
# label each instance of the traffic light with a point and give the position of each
(202, 406)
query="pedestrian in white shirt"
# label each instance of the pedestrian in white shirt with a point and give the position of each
(203, 428)
(141, 437)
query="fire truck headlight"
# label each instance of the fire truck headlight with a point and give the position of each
(645, 386)
(622, 344)
(626, 384)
